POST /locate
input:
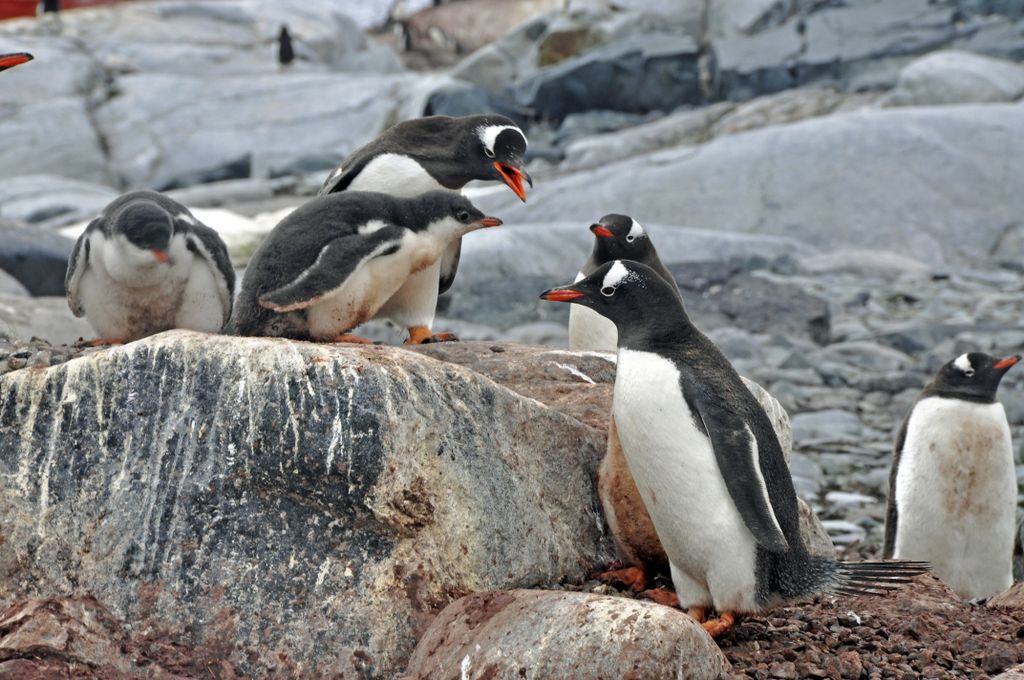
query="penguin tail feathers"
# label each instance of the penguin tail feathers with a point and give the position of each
(875, 578)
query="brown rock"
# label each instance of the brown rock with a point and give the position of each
(562, 636)
(1011, 598)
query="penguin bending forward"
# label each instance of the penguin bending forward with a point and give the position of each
(953, 487)
(429, 154)
(706, 460)
(338, 260)
(146, 265)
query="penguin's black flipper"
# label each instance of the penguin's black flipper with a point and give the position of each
(891, 512)
(337, 261)
(77, 263)
(449, 265)
(342, 176)
(736, 451)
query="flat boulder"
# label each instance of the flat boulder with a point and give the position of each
(957, 77)
(561, 636)
(296, 506)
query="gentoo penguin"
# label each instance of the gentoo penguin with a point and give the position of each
(338, 260)
(11, 60)
(617, 237)
(953, 488)
(428, 154)
(285, 52)
(706, 460)
(147, 265)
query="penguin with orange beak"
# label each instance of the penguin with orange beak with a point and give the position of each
(147, 265)
(430, 154)
(11, 60)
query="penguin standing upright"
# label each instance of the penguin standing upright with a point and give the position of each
(428, 154)
(336, 261)
(285, 51)
(16, 59)
(953, 487)
(147, 265)
(706, 460)
(621, 237)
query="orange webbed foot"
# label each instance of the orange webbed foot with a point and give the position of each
(720, 626)
(661, 596)
(698, 614)
(98, 342)
(421, 335)
(633, 578)
(357, 339)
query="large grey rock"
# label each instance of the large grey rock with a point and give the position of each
(51, 136)
(52, 200)
(827, 425)
(635, 75)
(37, 258)
(936, 172)
(10, 286)
(955, 77)
(559, 635)
(286, 500)
(166, 131)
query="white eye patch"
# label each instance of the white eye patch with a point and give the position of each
(489, 135)
(963, 364)
(635, 232)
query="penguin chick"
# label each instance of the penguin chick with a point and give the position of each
(428, 154)
(706, 460)
(338, 261)
(617, 237)
(953, 487)
(146, 265)
(11, 60)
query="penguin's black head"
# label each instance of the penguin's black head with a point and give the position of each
(630, 294)
(620, 237)
(494, 149)
(974, 376)
(446, 210)
(147, 226)
(11, 60)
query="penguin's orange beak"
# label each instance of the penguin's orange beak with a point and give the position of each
(514, 177)
(11, 60)
(601, 231)
(489, 222)
(1006, 363)
(561, 295)
(160, 255)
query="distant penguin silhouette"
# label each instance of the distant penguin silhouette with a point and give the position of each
(50, 6)
(285, 51)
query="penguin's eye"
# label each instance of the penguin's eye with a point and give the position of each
(608, 291)
(489, 152)
(630, 238)
(969, 372)
(462, 216)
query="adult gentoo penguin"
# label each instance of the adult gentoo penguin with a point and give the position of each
(338, 260)
(617, 237)
(147, 265)
(427, 154)
(953, 488)
(706, 460)
(11, 60)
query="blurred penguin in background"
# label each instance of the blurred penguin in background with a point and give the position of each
(285, 51)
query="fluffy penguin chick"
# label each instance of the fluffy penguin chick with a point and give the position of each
(706, 460)
(147, 265)
(338, 260)
(953, 487)
(428, 154)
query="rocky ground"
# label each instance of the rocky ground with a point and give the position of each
(833, 185)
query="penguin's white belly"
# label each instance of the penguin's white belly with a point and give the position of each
(678, 477)
(127, 295)
(370, 287)
(956, 494)
(589, 331)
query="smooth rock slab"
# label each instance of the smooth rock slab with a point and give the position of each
(281, 498)
(552, 635)
(955, 77)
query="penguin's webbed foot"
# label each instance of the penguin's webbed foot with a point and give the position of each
(421, 335)
(720, 626)
(99, 342)
(698, 614)
(661, 596)
(633, 578)
(357, 339)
